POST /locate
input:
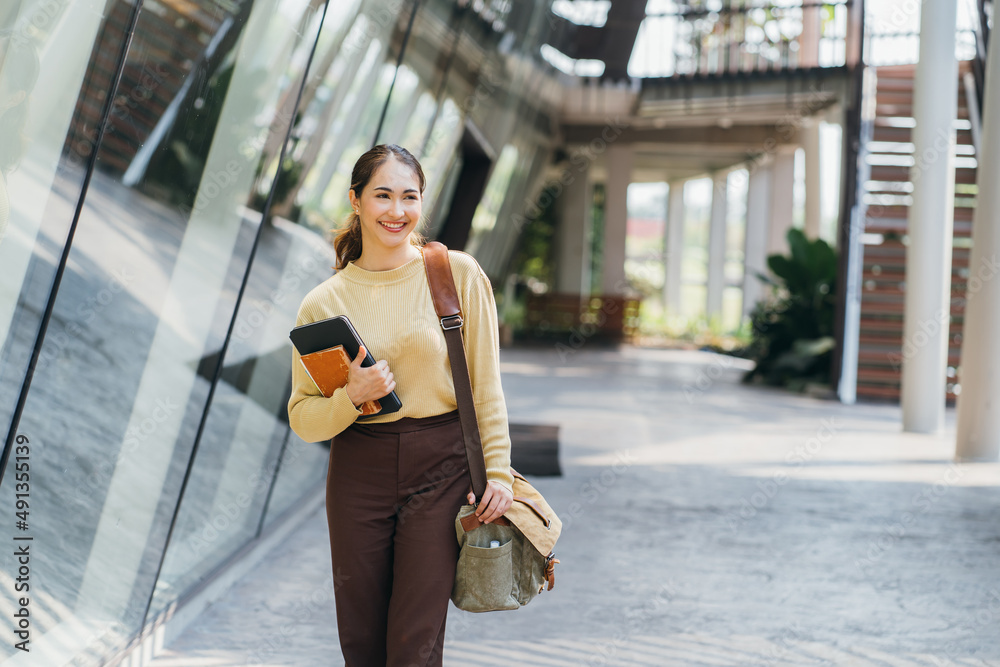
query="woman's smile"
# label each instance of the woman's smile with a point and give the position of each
(392, 226)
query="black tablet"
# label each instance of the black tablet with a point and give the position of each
(324, 334)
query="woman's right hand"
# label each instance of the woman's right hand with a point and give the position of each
(368, 384)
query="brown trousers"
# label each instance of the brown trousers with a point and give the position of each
(392, 493)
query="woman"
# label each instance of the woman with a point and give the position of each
(396, 482)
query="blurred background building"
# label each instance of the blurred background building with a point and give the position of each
(171, 171)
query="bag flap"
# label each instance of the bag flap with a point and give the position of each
(524, 514)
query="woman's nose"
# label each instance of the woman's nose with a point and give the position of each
(396, 209)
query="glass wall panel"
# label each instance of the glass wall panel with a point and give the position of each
(159, 254)
(143, 480)
(308, 262)
(246, 430)
(45, 144)
(46, 141)
(485, 218)
(406, 91)
(341, 123)
(442, 164)
(519, 205)
(246, 427)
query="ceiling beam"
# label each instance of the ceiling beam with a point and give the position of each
(737, 135)
(619, 37)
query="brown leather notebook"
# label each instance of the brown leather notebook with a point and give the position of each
(328, 369)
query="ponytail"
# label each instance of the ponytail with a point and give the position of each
(347, 242)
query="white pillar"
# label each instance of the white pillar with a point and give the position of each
(809, 38)
(673, 243)
(850, 245)
(717, 245)
(619, 165)
(573, 240)
(814, 180)
(782, 202)
(978, 428)
(928, 256)
(755, 242)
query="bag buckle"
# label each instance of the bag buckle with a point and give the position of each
(550, 571)
(453, 322)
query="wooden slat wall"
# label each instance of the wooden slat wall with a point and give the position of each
(172, 38)
(881, 338)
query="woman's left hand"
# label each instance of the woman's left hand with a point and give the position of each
(495, 503)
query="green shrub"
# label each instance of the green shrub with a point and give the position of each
(793, 329)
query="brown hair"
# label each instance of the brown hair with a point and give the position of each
(347, 243)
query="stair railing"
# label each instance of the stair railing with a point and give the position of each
(746, 37)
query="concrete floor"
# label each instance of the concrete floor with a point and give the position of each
(707, 523)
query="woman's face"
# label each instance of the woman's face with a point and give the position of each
(389, 206)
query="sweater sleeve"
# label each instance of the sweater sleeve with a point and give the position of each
(314, 417)
(482, 347)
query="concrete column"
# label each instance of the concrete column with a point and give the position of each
(978, 428)
(755, 247)
(717, 245)
(573, 238)
(673, 243)
(782, 202)
(928, 256)
(619, 165)
(814, 179)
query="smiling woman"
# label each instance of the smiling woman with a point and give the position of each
(395, 482)
(387, 187)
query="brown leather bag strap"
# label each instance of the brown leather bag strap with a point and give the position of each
(448, 309)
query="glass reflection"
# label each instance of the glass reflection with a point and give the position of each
(189, 156)
(18, 74)
(160, 250)
(238, 94)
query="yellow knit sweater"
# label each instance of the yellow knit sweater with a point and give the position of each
(394, 314)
